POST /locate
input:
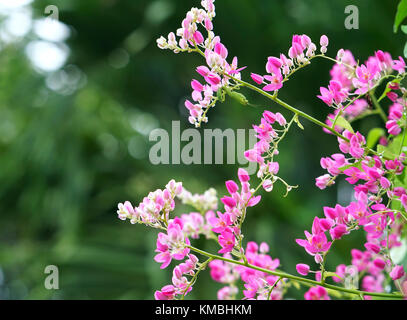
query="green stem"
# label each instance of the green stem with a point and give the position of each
(287, 106)
(202, 267)
(378, 107)
(272, 287)
(299, 279)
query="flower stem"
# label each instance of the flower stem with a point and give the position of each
(287, 106)
(377, 106)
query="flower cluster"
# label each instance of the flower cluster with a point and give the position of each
(201, 202)
(397, 116)
(258, 285)
(349, 82)
(266, 148)
(227, 224)
(302, 50)
(154, 210)
(173, 244)
(217, 69)
(316, 293)
(180, 285)
(379, 199)
(372, 179)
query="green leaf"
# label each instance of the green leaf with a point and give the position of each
(405, 50)
(385, 151)
(342, 122)
(395, 146)
(400, 14)
(374, 136)
(404, 28)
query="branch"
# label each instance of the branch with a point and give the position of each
(299, 279)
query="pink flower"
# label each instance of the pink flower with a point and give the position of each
(243, 175)
(221, 271)
(324, 41)
(227, 241)
(314, 243)
(273, 65)
(397, 272)
(374, 248)
(196, 85)
(166, 293)
(334, 93)
(231, 186)
(222, 223)
(221, 50)
(316, 293)
(264, 247)
(203, 71)
(338, 231)
(399, 65)
(358, 211)
(323, 181)
(198, 37)
(393, 127)
(257, 78)
(379, 263)
(373, 284)
(354, 174)
(280, 119)
(340, 271)
(273, 167)
(268, 185)
(213, 78)
(392, 96)
(229, 201)
(125, 211)
(276, 82)
(251, 287)
(326, 96)
(227, 293)
(334, 163)
(208, 24)
(356, 149)
(302, 269)
(365, 74)
(171, 245)
(253, 201)
(269, 116)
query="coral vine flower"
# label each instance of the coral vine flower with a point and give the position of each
(399, 65)
(257, 78)
(222, 223)
(373, 178)
(227, 241)
(166, 293)
(171, 245)
(276, 82)
(315, 243)
(397, 272)
(302, 269)
(334, 93)
(317, 293)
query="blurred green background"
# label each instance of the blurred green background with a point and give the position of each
(78, 100)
